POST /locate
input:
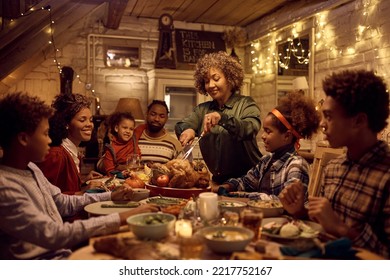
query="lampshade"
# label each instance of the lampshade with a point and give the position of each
(131, 105)
(300, 83)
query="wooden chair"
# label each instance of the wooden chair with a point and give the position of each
(322, 156)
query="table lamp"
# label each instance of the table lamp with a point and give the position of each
(300, 84)
(131, 105)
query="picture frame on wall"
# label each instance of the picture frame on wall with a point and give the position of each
(122, 57)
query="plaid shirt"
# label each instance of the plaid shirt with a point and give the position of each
(360, 195)
(287, 168)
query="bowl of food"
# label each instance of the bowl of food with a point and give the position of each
(154, 226)
(226, 239)
(140, 194)
(170, 205)
(231, 205)
(270, 208)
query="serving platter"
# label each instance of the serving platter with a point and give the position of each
(175, 192)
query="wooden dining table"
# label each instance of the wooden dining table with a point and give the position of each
(258, 249)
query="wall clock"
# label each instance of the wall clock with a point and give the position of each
(165, 57)
(165, 20)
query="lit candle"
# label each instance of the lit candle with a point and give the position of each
(208, 206)
(183, 228)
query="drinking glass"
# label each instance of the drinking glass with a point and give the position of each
(252, 220)
(133, 162)
(191, 248)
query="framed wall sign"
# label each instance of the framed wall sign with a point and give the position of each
(193, 44)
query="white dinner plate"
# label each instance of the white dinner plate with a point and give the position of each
(282, 220)
(97, 208)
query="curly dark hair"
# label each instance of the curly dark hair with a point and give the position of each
(20, 112)
(300, 112)
(158, 102)
(230, 67)
(66, 107)
(116, 118)
(360, 91)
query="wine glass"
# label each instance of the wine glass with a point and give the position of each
(133, 162)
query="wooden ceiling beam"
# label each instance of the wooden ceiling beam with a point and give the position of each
(114, 13)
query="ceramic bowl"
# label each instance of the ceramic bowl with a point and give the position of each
(154, 226)
(231, 205)
(226, 239)
(270, 208)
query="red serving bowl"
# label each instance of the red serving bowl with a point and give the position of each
(175, 192)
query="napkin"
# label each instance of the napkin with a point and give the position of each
(337, 249)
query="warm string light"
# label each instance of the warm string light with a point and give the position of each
(265, 56)
(51, 42)
(324, 36)
(364, 27)
(323, 40)
(294, 48)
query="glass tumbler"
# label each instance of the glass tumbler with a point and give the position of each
(252, 220)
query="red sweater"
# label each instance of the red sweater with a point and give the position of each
(60, 169)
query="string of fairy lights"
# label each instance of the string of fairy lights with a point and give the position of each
(51, 41)
(265, 56)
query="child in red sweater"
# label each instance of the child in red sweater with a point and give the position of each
(123, 143)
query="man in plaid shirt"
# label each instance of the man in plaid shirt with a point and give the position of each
(355, 189)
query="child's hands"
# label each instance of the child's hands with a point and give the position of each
(293, 198)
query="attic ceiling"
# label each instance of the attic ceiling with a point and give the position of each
(23, 40)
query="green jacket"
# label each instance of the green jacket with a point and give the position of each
(230, 149)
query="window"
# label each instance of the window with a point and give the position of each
(122, 57)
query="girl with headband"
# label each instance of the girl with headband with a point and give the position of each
(294, 118)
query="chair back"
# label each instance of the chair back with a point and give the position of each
(322, 156)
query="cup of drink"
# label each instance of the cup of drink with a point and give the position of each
(133, 162)
(191, 248)
(208, 206)
(252, 220)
